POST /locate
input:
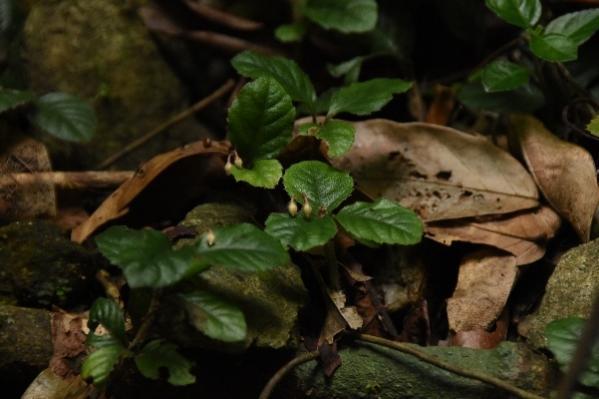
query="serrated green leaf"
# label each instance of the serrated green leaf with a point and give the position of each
(382, 222)
(502, 75)
(347, 16)
(215, 317)
(577, 26)
(10, 99)
(364, 98)
(243, 247)
(562, 338)
(522, 13)
(108, 313)
(64, 116)
(261, 119)
(264, 173)
(290, 33)
(100, 363)
(159, 354)
(300, 233)
(324, 186)
(553, 47)
(339, 135)
(526, 98)
(593, 126)
(350, 69)
(285, 71)
(146, 256)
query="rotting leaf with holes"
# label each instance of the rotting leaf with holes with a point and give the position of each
(338, 135)
(502, 75)
(264, 173)
(324, 186)
(159, 354)
(300, 233)
(347, 16)
(214, 316)
(146, 256)
(381, 222)
(522, 13)
(242, 247)
(439, 172)
(107, 312)
(364, 98)
(10, 99)
(261, 120)
(564, 172)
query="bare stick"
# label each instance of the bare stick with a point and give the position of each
(283, 371)
(221, 41)
(200, 105)
(487, 379)
(67, 180)
(221, 17)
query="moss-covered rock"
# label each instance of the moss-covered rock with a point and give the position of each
(100, 51)
(569, 291)
(43, 267)
(372, 371)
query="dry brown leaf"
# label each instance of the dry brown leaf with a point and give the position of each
(523, 235)
(116, 205)
(485, 281)
(564, 172)
(480, 338)
(32, 200)
(439, 172)
(49, 385)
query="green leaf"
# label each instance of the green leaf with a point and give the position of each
(215, 317)
(339, 135)
(347, 16)
(502, 75)
(108, 313)
(65, 116)
(324, 186)
(290, 33)
(159, 354)
(364, 98)
(562, 338)
(100, 363)
(526, 98)
(382, 222)
(261, 119)
(522, 13)
(146, 256)
(300, 233)
(593, 126)
(264, 173)
(243, 247)
(553, 47)
(350, 69)
(10, 99)
(285, 71)
(577, 26)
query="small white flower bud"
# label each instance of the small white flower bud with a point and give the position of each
(238, 161)
(228, 167)
(210, 237)
(307, 209)
(292, 207)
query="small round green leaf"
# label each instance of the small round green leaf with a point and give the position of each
(553, 47)
(146, 256)
(577, 26)
(347, 16)
(382, 222)
(593, 126)
(100, 363)
(324, 186)
(108, 313)
(338, 135)
(65, 116)
(243, 247)
(502, 75)
(215, 317)
(290, 33)
(10, 99)
(264, 173)
(261, 120)
(522, 13)
(364, 98)
(300, 233)
(159, 354)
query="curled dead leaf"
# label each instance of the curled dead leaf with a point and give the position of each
(564, 172)
(439, 172)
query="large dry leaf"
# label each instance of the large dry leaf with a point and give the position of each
(439, 172)
(117, 204)
(564, 172)
(485, 281)
(524, 235)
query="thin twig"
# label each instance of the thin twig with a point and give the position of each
(67, 180)
(228, 43)
(148, 320)
(222, 17)
(487, 379)
(283, 371)
(200, 105)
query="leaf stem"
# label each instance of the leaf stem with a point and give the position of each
(148, 320)
(485, 378)
(283, 371)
